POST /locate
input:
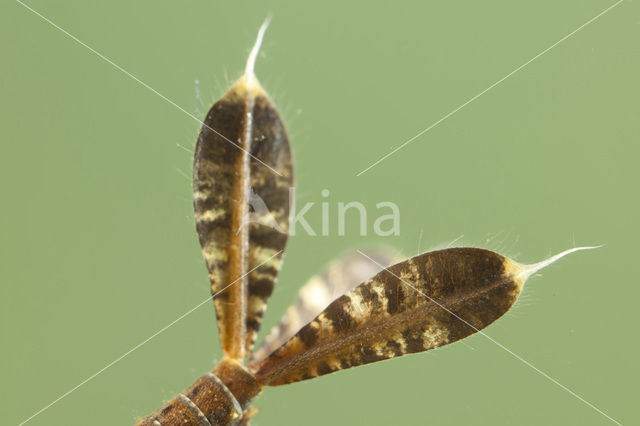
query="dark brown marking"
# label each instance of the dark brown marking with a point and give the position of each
(337, 315)
(324, 368)
(308, 337)
(262, 288)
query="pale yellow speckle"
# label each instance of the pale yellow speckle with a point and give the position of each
(315, 295)
(209, 215)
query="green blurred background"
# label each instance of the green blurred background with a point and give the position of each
(98, 245)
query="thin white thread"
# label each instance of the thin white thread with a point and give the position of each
(198, 98)
(528, 270)
(249, 75)
(184, 148)
(500, 344)
(490, 87)
(127, 73)
(163, 329)
(183, 173)
(455, 241)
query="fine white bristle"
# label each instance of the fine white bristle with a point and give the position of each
(527, 270)
(249, 74)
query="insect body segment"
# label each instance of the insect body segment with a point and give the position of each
(209, 401)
